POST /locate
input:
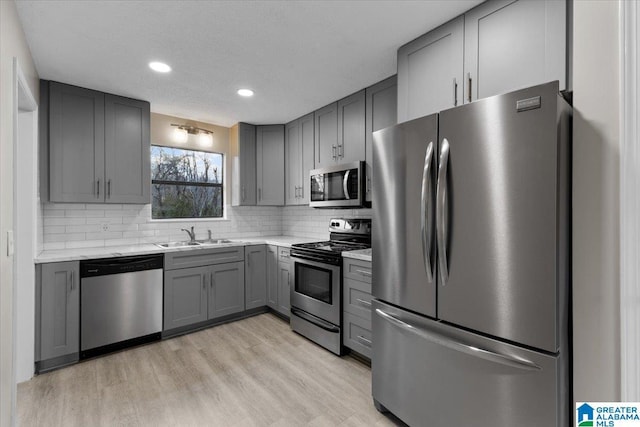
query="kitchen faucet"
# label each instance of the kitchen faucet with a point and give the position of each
(192, 234)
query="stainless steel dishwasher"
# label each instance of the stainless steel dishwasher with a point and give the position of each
(120, 303)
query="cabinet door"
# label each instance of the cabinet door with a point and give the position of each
(292, 156)
(255, 280)
(326, 130)
(60, 309)
(127, 150)
(307, 145)
(270, 164)
(226, 289)
(242, 151)
(430, 71)
(76, 144)
(272, 277)
(284, 288)
(382, 105)
(351, 127)
(185, 297)
(511, 45)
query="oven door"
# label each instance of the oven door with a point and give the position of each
(317, 289)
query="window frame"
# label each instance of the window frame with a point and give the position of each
(192, 184)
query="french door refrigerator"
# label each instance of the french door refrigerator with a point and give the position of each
(471, 264)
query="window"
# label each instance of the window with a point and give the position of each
(186, 183)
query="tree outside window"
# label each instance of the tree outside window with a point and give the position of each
(186, 183)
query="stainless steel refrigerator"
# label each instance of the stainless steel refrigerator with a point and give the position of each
(471, 264)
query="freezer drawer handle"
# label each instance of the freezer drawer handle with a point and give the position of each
(442, 211)
(425, 210)
(491, 356)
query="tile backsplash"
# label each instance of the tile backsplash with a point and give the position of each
(72, 226)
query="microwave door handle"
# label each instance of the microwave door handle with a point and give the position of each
(345, 185)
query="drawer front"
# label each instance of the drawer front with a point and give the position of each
(200, 257)
(357, 270)
(357, 334)
(357, 298)
(283, 255)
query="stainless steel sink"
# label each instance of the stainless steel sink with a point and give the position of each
(213, 241)
(177, 244)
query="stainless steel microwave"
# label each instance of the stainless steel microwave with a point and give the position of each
(340, 186)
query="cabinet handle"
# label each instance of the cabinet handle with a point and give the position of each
(109, 188)
(211, 281)
(364, 272)
(455, 92)
(302, 191)
(364, 341)
(368, 184)
(333, 152)
(204, 282)
(363, 302)
(340, 150)
(98, 188)
(470, 82)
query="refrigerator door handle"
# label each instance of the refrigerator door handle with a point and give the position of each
(442, 212)
(425, 210)
(502, 359)
(345, 185)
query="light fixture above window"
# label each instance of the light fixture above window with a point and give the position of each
(181, 134)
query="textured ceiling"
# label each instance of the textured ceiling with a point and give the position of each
(296, 55)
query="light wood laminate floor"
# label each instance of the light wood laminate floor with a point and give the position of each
(253, 372)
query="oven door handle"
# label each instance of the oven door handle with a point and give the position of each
(315, 320)
(309, 258)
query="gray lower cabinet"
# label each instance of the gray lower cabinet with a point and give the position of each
(270, 165)
(272, 277)
(255, 285)
(58, 307)
(382, 106)
(284, 282)
(356, 302)
(279, 279)
(202, 284)
(242, 151)
(98, 144)
(185, 297)
(226, 289)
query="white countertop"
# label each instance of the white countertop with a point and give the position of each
(362, 254)
(150, 248)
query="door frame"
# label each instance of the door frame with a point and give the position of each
(629, 202)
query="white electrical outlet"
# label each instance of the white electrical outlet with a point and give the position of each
(10, 245)
(105, 227)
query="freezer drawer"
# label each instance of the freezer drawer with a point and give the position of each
(431, 374)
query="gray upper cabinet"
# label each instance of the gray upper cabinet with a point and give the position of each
(299, 159)
(255, 276)
(76, 144)
(98, 146)
(351, 128)
(511, 44)
(430, 71)
(326, 131)
(243, 164)
(127, 150)
(226, 293)
(382, 105)
(59, 322)
(270, 165)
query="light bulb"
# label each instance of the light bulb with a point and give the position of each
(205, 139)
(180, 135)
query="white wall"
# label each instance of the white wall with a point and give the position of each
(596, 256)
(12, 44)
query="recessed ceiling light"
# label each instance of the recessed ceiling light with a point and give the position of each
(245, 92)
(160, 67)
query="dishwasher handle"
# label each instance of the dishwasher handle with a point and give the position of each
(103, 267)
